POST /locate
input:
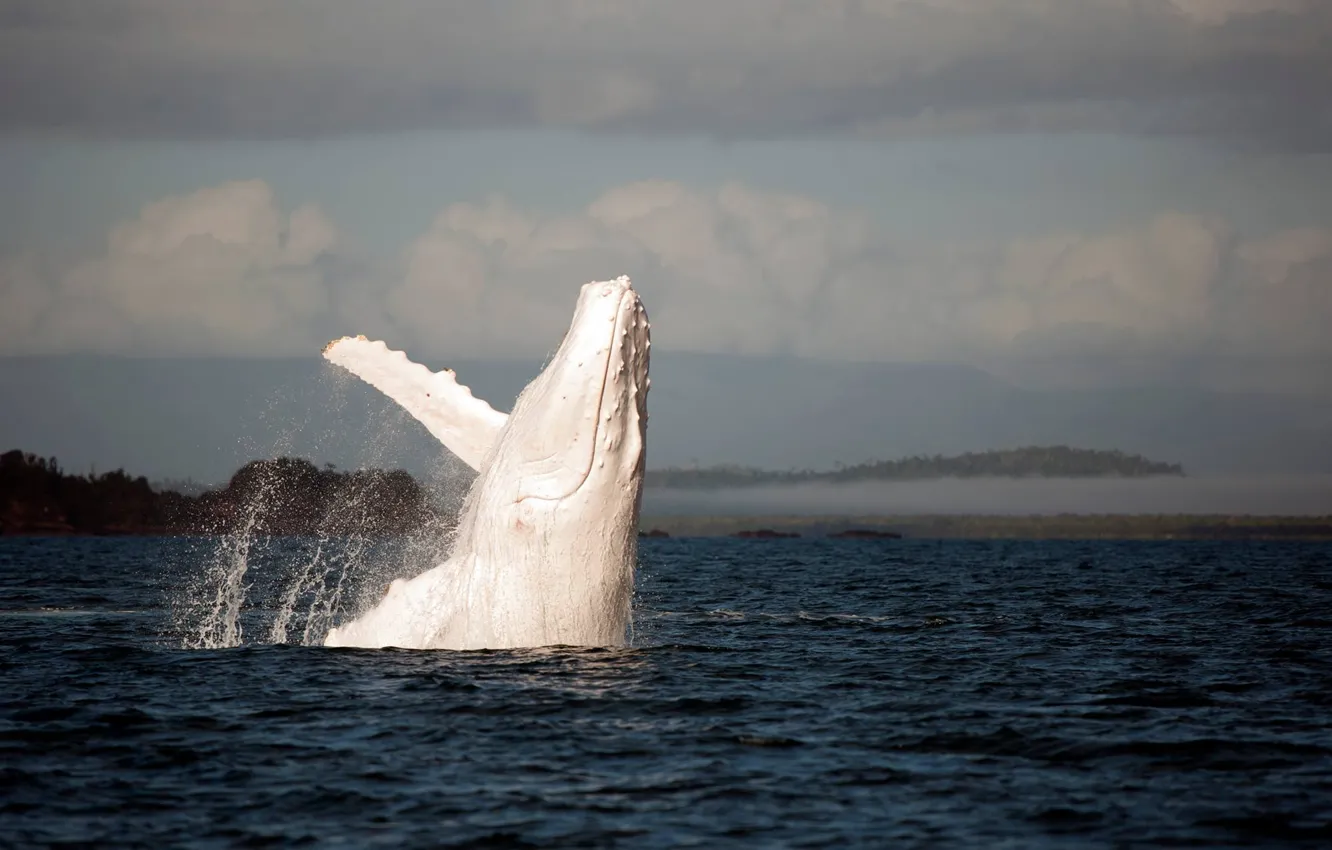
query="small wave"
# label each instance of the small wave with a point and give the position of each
(71, 612)
(767, 741)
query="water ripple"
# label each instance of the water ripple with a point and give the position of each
(808, 694)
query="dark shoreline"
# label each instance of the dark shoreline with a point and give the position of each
(927, 527)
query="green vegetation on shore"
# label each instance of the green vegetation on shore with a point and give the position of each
(1026, 462)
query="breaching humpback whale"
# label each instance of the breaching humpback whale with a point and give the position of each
(546, 540)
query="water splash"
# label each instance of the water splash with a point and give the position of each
(328, 594)
(307, 580)
(218, 624)
(290, 589)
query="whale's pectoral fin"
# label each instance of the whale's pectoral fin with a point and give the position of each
(466, 425)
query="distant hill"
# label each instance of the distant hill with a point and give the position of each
(1026, 462)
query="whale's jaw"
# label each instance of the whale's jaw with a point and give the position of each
(582, 422)
(547, 538)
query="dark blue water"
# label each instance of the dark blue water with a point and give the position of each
(781, 693)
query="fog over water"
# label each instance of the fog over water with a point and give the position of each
(1309, 495)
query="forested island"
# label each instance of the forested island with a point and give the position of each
(1026, 462)
(294, 496)
(282, 496)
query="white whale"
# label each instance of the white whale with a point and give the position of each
(548, 535)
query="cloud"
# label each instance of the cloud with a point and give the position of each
(222, 270)
(751, 272)
(1255, 69)
(727, 269)
(1218, 12)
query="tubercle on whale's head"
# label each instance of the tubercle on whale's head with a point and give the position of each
(582, 423)
(333, 342)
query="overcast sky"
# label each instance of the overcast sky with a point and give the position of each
(996, 182)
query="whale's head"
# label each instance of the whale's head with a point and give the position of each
(573, 447)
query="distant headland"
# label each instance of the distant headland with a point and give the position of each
(1025, 462)
(292, 496)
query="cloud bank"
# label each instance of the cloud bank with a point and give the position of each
(220, 271)
(227, 270)
(1254, 69)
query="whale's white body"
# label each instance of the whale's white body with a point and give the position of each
(547, 538)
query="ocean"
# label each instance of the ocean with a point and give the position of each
(777, 693)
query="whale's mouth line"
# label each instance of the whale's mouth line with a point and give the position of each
(616, 328)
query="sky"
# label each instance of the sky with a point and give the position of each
(1061, 193)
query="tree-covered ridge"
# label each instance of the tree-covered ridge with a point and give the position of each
(36, 495)
(282, 496)
(1026, 462)
(293, 496)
